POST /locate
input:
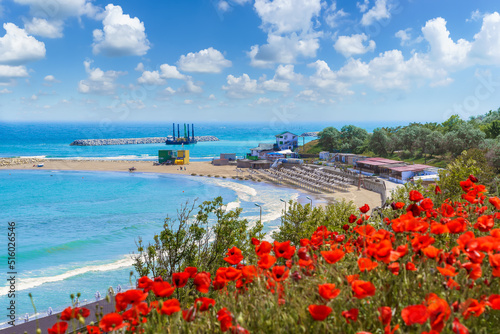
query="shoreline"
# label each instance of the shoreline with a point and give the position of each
(194, 168)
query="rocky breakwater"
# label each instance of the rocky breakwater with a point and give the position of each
(19, 161)
(310, 134)
(132, 141)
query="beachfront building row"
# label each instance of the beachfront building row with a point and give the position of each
(286, 143)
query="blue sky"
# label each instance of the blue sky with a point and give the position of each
(244, 60)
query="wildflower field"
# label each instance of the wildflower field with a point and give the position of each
(425, 264)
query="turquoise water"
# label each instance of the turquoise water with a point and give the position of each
(76, 230)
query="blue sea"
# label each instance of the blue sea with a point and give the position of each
(75, 231)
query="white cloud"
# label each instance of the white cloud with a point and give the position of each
(283, 49)
(171, 72)
(281, 81)
(441, 83)
(363, 7)
(190, 87)
(333, 16)
(121, 35)
(404, 36)
(5, 91)
(151, 78)
(486, 46)
(475, 16)
(378, 12)
(16, 47)
(205, 61)
(139, 67)
(289, 25)
(223, 6)
(287, 16)
(353, 45)
(308, 95)
(327, 80)
(98, 81)
(7, 71)
(169, 91)
(50, 78)
(443, 49)
(188, 101)
(212, 97)
(59, 9)
(241, 87)
(34, 97)
(44, 28)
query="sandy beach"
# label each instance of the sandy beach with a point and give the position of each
(200, 168)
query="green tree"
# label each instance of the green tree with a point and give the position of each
(465, 137)
(353, 138)
(200, 240)
(300, 221)
(492, 130)
(473, 162)
(452, 123)
(329, 138)
(379, 142)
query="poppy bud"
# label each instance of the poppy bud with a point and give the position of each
(345, 227)
(473, 178)
(296, 276)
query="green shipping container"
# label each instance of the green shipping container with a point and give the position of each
(164, 156)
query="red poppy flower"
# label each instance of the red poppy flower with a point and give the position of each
(283, 249)
(263, 248)
(414, 314)
(366, 264)
(474, 270)
(365, 208)
(189, 314)
(437, 190)
(163, 289)
(192, 271)
(472, 307)
(328, 291)
(180, 279)
(494, 301)
(93, 330)
(458, 225)
(410, 266)
(458, 328)
(466, 185)
(447, 271)
(319, 312)
(362, 289)
(352, 218)
(473, 178)
(352, 314)
(431, 252)
(170, 306)
(234, 256)
(202, 281)
(394, 268)
(280, 273)
(58, 328)
(333, 256)
(249, 273)
(495, 201)
(438, 311)
(484, 223)
(415, 196)
(398, 205)
(203, 303)
(266, 261)
(70, 313)
(225, 318)
(111, 322)
(385, 314)
(255, 241)
(145, 283)
(133, 297)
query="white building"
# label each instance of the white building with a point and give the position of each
(287, 141)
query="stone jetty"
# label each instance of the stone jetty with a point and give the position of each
(310, 134)
(131, 141)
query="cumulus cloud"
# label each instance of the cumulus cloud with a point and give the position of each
(98, 81)
(121, 35)
(190, 87)
(51, 79)
(16, 47)
(59, 9)
(44, 28)
(363, 6)
(486, 46)
(205, 61)
(283, 76)
(333, 16)
(378, 12)
(5, 91)
(171, 72)
(289, 25)
(283, 49)
(443, 49)
(151, 78)
(353, 45)
(7, 71)
(241, 87)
